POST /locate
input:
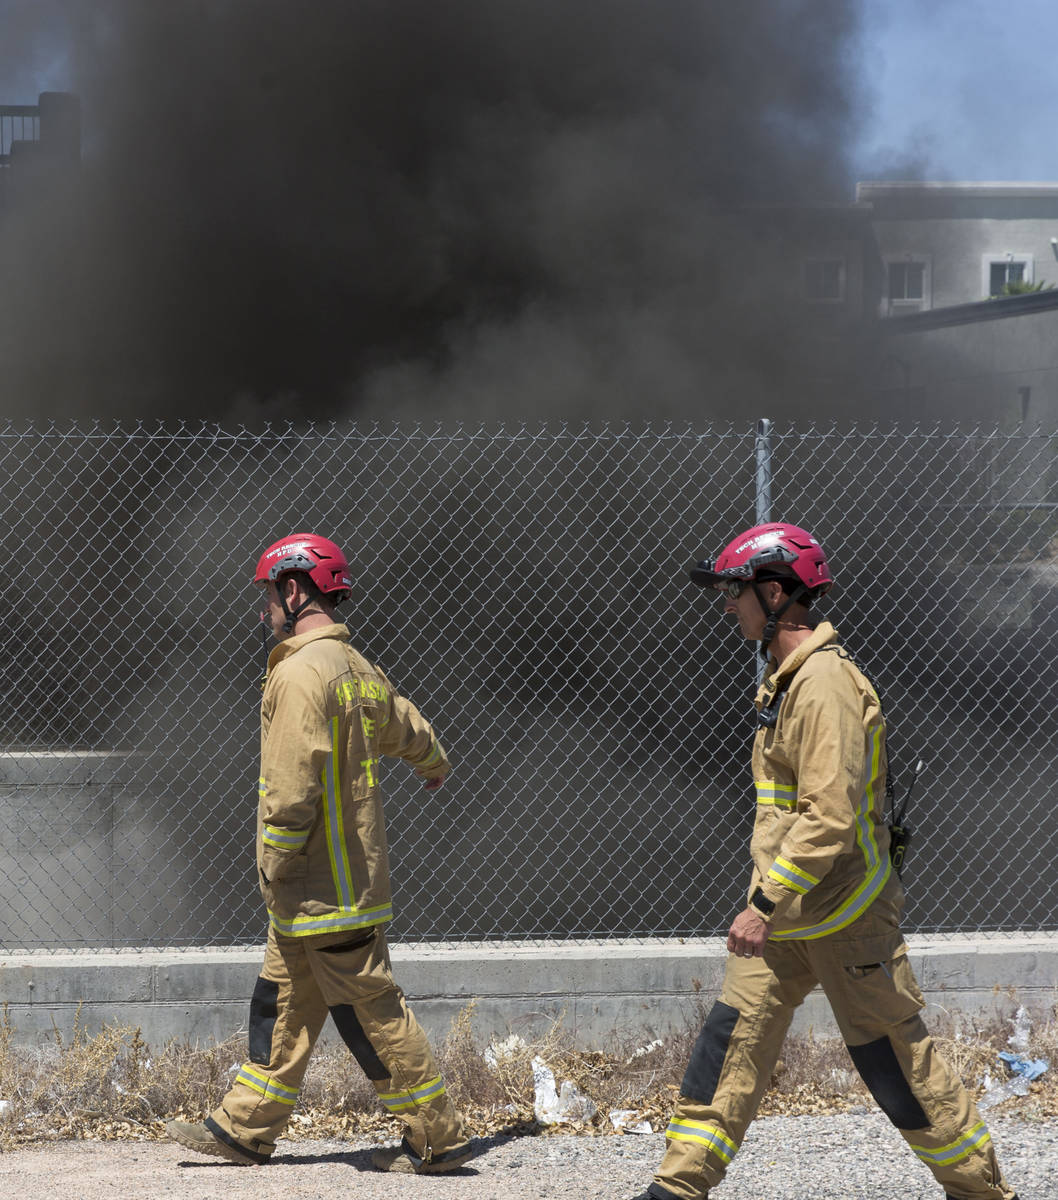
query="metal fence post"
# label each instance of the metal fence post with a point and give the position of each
(762, 447)
(763, 450)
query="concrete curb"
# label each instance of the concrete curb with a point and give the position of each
(601, 990)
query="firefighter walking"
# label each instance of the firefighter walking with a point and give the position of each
(327, 716)
(824, 903)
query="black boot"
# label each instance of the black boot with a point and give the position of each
(657, 1192)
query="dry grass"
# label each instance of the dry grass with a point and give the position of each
(111, 1085)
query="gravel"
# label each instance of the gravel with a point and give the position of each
(846, 1157)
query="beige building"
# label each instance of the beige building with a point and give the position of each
(921, 272)
(943, 244)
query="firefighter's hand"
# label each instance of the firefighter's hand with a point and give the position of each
(432, 783)
(747, 935)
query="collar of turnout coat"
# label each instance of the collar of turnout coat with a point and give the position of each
(294, 644)
(823, 634)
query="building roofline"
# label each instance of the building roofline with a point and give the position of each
(873, 190)
(969, 314)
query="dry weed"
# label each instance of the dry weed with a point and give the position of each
(111, 1085)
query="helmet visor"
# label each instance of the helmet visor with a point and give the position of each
(705, 574)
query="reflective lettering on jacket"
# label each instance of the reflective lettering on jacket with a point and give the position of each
(349, 691)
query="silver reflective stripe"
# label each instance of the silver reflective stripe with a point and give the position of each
(955, 1151)
(703, 1135)
(788, 873)
(265, 1086)
(284, 839)
(304, 924)
(782, 795)
(397, 1101)
(432, 759)
(334, 825)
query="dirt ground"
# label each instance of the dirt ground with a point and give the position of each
(852, 1156)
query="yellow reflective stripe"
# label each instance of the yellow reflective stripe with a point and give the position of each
(398, 1101)
(345, 918)
(261, 787)
(788, 873)
(703, 1135)
(782, 795)
(284, 839)
(957, 1151)
(335, 827)
(876, 865)
(432, 759)
(265, 1086)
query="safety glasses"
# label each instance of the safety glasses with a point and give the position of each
(732, 588)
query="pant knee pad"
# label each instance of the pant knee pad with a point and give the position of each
(264, 1008)
(707, 1057)
(352, 1032)
(880, 1071)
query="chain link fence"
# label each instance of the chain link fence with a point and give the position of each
(527, 588)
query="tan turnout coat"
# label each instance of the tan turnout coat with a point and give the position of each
(327, 716)
(820, 842)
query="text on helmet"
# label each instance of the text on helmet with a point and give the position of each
(286, 548)
(766, 539)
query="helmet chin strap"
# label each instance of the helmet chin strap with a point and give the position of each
(292, 617)
(771, 618)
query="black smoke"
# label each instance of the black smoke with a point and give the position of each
(477, 208)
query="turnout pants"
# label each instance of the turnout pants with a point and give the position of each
(348, 976)
(876, 1001)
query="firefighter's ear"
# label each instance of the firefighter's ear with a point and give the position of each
(773, 592)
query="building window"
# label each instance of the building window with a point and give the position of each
(907, 284)
(1003, 273)
(825, 280)
(906, 280)
(998, 270)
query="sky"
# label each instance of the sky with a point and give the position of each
(959, 89)
(952, 89)
(485, 206)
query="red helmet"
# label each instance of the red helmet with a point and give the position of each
(756, 553)
(318, 557)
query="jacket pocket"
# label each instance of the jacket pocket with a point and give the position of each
(286, 894)
(276, 866)
(884, 987)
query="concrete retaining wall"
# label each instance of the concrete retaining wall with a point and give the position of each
(79, 847)
(634, 990)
